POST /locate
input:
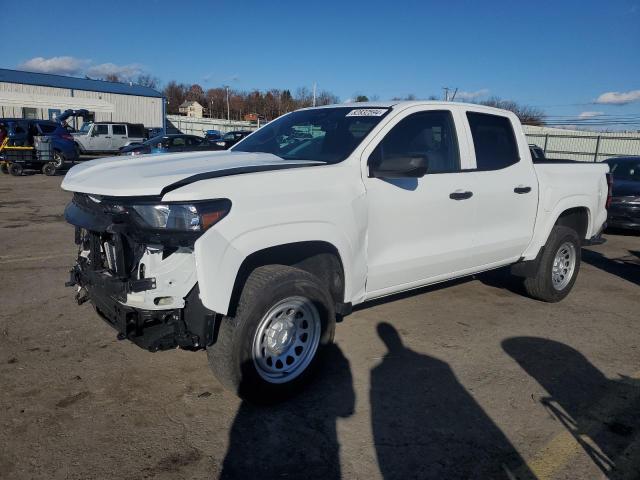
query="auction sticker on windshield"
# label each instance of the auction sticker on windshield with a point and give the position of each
(367, 112)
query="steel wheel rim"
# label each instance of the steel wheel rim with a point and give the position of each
(286, 339)
(564, 264)
(57, 159)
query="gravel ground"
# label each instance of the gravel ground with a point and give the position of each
(465, 380)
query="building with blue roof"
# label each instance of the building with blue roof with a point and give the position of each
(44, 96)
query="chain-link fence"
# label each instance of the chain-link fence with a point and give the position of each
(585, 148)
(198, 126)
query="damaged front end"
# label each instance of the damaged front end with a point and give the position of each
(136, 265)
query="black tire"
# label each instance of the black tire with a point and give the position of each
(49, 169)
(541, 286)
(15, 169)
(4, 168)
(58, 159)
(231, 357)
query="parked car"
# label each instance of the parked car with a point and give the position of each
(213, 135)
(108, 137)
(168, 144)
(21, 132)
(537, 153)
(230, 139)
(624, 211)
(254, 253)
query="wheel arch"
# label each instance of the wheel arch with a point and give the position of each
(572, 212)
(319, 258)
(222, 265)
(577, 218)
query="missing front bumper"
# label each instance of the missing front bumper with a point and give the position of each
(191, 327)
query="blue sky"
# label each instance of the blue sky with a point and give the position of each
(558, 55)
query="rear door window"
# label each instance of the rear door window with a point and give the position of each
(119, 130)
(178, 142)
(493, 140)
(46, 128)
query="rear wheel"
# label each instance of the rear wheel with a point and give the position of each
(49, 169)
(58, 159)
(5, 168)
(558, 267)
(15, 169)
(267, 351)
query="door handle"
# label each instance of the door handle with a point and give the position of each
(522, 189)
(107, 137)
(460, 195)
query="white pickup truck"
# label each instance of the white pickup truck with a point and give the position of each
(254, 253)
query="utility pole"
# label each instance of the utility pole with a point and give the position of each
(314, 94)
(446, 93)
(228, 110)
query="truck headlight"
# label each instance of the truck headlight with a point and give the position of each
(184, 217)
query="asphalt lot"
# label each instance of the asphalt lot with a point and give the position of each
(469, 379)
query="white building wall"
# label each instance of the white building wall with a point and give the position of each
(127, 108)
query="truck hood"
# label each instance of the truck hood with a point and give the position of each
(127, 176)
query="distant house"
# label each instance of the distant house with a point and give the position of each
(191, 109)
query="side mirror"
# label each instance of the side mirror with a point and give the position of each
(405, 166)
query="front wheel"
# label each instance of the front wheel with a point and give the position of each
(558, 267)
(15, 169)
(267, 351)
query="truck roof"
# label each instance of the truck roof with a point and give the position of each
(410, 103)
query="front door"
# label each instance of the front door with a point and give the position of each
(420, 229)
(100, 138)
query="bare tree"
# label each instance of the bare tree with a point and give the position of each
(147, 80)
(527, 115)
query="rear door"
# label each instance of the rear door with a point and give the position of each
(193, 143)
(506, 188)
(119, 136)
(420, 229)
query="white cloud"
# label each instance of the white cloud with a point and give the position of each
(590, 114)
(57, 65)
(619, 98)
(123, 72)
(466, 96)
(66, 65)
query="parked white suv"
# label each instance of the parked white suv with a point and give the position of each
(254, 253)
(108, 137)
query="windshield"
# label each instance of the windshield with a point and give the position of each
(85, 127)
(627, 169)
(324, 134)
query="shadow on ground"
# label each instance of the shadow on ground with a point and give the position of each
(425, 425)
(297, 438)
(626, 267)
(602, 415)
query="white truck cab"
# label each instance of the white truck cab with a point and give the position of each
(254, 253)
